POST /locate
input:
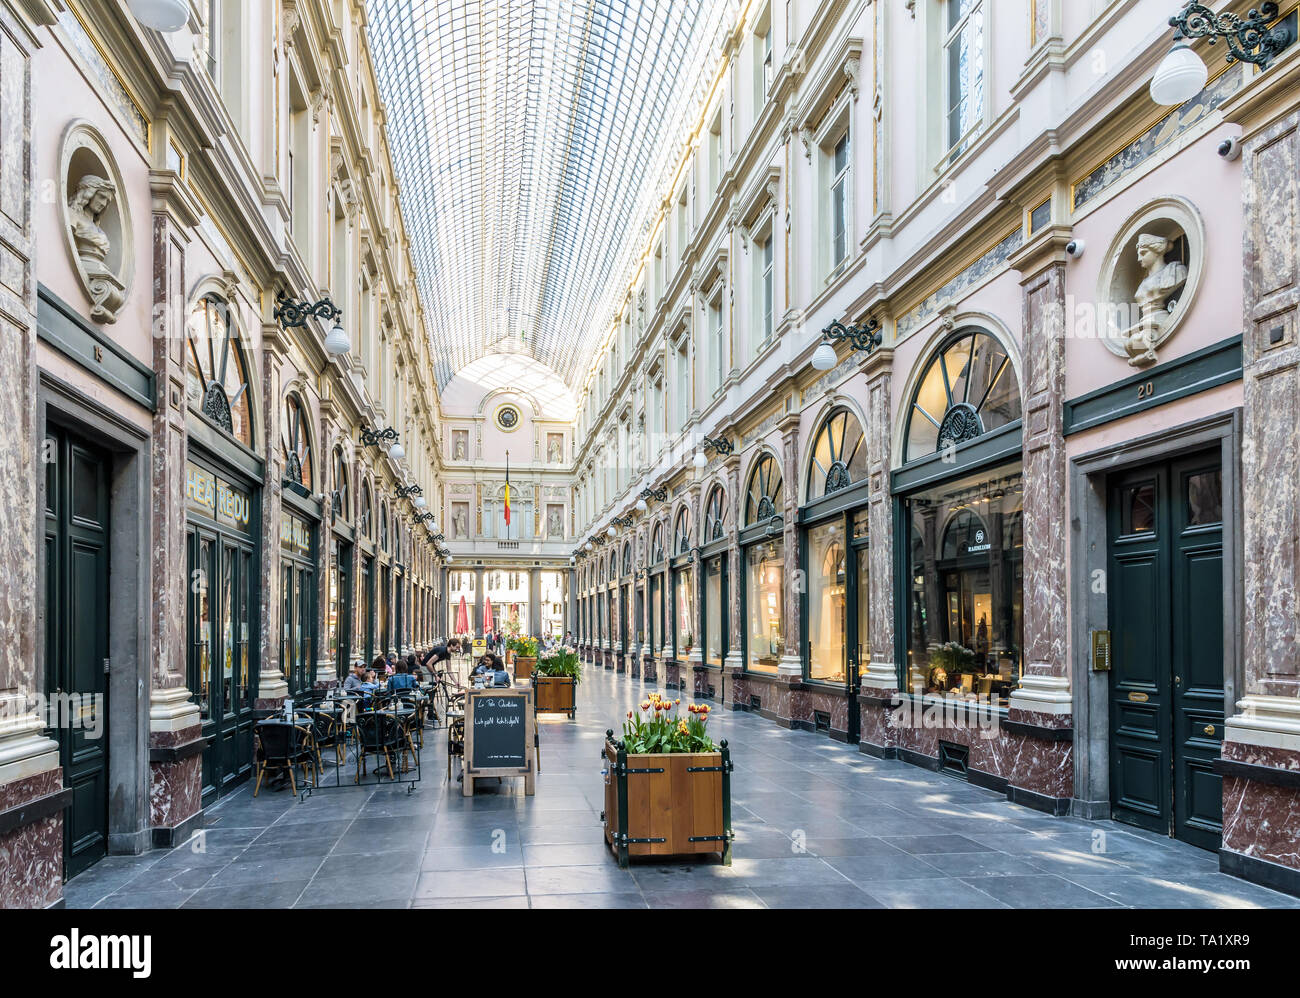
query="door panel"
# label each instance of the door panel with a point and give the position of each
(1165, 589)
(76, 640)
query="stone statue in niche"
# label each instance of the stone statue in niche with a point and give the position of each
(553, 449)
(555, 523)
(1155, 298)
(460, 445)
(92, 198)
(460, 522)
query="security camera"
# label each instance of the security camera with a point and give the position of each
(1230, 149)
(1074, 248)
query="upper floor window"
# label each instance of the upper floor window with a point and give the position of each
(295, 445)
(762, 60)
(366, 514)
(717, 345)
(839, 455)
(968, 388)
(682, 533)
(840, 194)
(627, 559)
(383, 526)
(216, 375)
(715, 515)
(963, 58)
(764, 497)
(766, 290)
(657, 544)
(341, 497)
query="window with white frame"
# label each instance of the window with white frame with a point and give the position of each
(840, 199)
(963, 60)
(764, 287)
(683, 383)
(683, 225)
(716, 154)
(762, 59)
(717, 342)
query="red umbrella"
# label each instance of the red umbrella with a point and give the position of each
(462, 617)
(487, 614)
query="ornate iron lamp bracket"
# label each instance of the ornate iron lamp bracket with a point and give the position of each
(406, 491)
(376, 438)
(1249, 38)
(658, 495)
(865, 337)
(720, 444)
(294, 312)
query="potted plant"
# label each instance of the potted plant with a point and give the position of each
(555, 682)
(667, 785)
(525, 656)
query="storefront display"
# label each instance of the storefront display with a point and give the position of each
(764, 603)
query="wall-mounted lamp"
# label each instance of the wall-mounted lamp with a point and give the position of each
(621, 521)
(376, 438)
(720, 444)
(407, 491)
(1181, 75)
(658, 495)
(293, 313)
(865, 338)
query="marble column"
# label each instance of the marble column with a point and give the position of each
(734, 661)
(326, 672)
(1261, 747)
(31, 779)
(175, 724)
(880, 673)
(1038, 764)
(272, 684)
(476, 624)
(534, 602)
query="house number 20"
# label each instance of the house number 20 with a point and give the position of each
(1146, 389)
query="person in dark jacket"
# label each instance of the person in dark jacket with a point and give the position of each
(402, 678)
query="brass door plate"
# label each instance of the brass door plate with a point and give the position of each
(1101, 651)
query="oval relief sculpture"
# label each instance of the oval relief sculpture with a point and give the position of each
(96, 220)
(1150, 276)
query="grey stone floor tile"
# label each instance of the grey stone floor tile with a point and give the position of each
(1040, 891)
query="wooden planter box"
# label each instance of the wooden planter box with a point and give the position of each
(556, 694)
(524, 666)
(667, 804)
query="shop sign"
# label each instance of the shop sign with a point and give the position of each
(215, 498)
(295, 535)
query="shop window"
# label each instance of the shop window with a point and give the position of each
(684, 607)
(715, 611)
(764, 605)
(968, 388)
(827, 602)
(839, 455)
(216, 373)
(965, 587)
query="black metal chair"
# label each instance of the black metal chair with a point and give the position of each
(327, 729)
(281, 747)
(378, 733)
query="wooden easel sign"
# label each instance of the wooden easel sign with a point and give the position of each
(500, 739)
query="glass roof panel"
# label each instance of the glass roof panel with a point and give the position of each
(531, 140)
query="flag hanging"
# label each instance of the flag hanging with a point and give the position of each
(507, 488)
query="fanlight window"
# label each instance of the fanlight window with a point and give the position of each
(367, 517)
(682, 533)
(657, 544)
(383, 526)
(295, 447)
(839, 455)
(764, 499)
(969, 388)
(627, 559)
(715, 515)
(341, 496)
(216, 376)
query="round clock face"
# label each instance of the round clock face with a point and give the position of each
(507, 417)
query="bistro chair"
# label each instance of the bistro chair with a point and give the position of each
(455, 741)
(327, 728)
(282, 746)
(378, 734)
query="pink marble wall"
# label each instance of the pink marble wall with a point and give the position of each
(175, 788)
(1261, 820)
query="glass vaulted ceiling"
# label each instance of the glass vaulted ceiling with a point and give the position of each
(533, 142)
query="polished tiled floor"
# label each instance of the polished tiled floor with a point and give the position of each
(818, 824)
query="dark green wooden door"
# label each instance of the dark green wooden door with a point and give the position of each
(1165, 591)
(76, 638)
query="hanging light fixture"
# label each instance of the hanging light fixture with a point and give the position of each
(823, 358)
(293, 313)
(397, 451)
(161, 15)
(641, 506)
(421, 502)
(337, 342)
(700, 460)
(1181, 75)
(611, 531)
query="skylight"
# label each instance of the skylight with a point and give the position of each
(531, 141)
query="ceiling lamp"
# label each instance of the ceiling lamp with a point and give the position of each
(161, 15)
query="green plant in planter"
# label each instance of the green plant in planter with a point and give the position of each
(657, 726)
(561, 662)
(527, 647)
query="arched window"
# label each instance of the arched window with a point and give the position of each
(682, 533)
(216, 374)
(627, 559)
(341, 495)
(968, 388)
(383, 526)
(764, 498)
(839, 455)
(715, 515)
(657, 544)
(295, 445)
(366, 519)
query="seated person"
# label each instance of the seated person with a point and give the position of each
(500, 677)
(402, 679)
(356, 680)
(487, 665)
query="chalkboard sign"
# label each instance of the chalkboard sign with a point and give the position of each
(500, 738)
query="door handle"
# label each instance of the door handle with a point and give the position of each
(1209, 729)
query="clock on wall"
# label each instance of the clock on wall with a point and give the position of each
(508, 417)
